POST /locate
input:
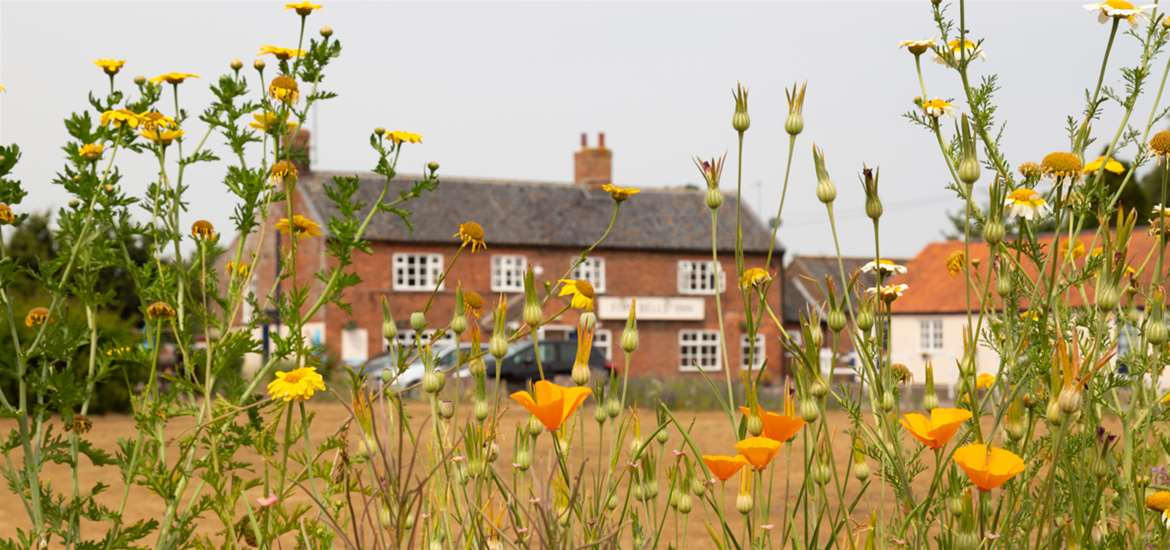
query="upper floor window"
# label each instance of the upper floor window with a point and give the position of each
(930, 334)
(591, 270)
(700, 277)
(603, 338)
(405, 339)
(420, 272)
(508, 273)
(698, 350)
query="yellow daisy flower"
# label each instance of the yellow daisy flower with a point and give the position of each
(267, 121)
(120, 117)
(7, 216)
(985, 381)
(955, 262)
(1061, 164)
(471, 233)
(202, 230)
(755, 276)
(917, 47)
(954, 50)
(1160, 143)
(887, 267)
(620, 194)
(284, 173)
(1109, 164)
(161, 137)
(303, 9)
(283, 54)
(36, 317)
(300, 227)
(399, 136)
(284, 89)
(937, 107)
(91, 151)
(173, 78)
(155, 120)
(296, 385)
(889, 293)
(110, 66)
(581, 291)
(160, 310)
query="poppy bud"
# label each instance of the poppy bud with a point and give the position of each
(650, 490)
(446, 409)
(476, 367)
(794, 124)
(599, 415)
(612, 407)
(740, 120)
(929, 396)
(535, 427)
(533, 312)
(635, 447)
(888, 401)
(1069, 400)
(818, 388)
(1054, 414)
(1156, 332)
(384, 518)
(743, 504)
(580, 374)
(458, 324)
(630, 332)
(480, 409)
(821, 473)
(612, 503)
(873, 207)
(861, 470)
(498, 345)
(685, 504)
(809, 410)
(865, 319)
(522, 460)
(698, 488)
(1003, 284)
(969, 170)
(1107, 297)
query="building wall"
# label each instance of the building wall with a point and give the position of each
(628, 273)
(906, 347)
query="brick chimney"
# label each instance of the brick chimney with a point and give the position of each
(593, 165)
(299, 151)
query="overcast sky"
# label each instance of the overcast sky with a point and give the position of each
(504, 89)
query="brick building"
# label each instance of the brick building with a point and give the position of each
(659, 252)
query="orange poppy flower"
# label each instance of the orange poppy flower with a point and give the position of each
(779, 427)
(938, 430)
(552, 404)
(724, 466)
(758, 451)
(988, 467)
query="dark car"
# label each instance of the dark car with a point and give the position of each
(556, 358)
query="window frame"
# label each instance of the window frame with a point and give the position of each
(603, 338)
(584, 270)
(500, 274)
(431, 272)
(685, 270)
(704, 337)
(761, 354)
(931, 334)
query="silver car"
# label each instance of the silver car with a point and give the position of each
(446, 359)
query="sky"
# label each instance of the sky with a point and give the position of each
(504, 90)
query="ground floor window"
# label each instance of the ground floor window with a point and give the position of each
(603, 338)
(698, 350)
(746, 350)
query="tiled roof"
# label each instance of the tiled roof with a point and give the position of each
(527, 213)
(933, 290)
(804, 280)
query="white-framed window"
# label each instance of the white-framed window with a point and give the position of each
(508, 273)
(700, 277)
(603, 338)
(746, 350)
(1127, 335)
(417, 272)
(405, 339)
(592, 270)
(930, 334)
(250, 294)
(698, 350)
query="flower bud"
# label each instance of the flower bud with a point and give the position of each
(865, 319)
(533, 314)
(836, 320)
(794, 124)
(826, 190)
(1069, 400)
(1107, 297)
(818, 388)
(743, 504)
(367, 447)
(755, 424)
(258, 64)
(535, 427)
(650, 490)
(580, 374)
(599, 415)
(498, 346)
(433, 166)
(613, 407)
(476, 367)
(635, 447)
(418, 321)
(955, 506)
(861, 470)
(815, 338)
(630, 332)
(612, 503)
(446, 409)
(1003, 284)
(698, 488)
(873, 207)
(1156, 332)
(433, 381)
(888, 401)
(969, 171)
(326, 31)
(685, 503)
(522, 460)
(714, 199)
(237, 64)
(384, 518)
(387, 376)
(929, 396)
(966, 540)
(140, 80)
(740, 120)
(993, 232)
(458, 324)
(809, 410)
(821, 473)
(480, 409)
(408, 522)
(1054, 413)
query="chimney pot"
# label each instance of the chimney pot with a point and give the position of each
(584, 140)
(593, 166)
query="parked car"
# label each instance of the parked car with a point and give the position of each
(556, 359)
(446, 360)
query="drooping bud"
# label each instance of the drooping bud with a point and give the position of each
(818, 388)
(630, 332)
(826, 190)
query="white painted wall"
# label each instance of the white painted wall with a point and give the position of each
(906, 348)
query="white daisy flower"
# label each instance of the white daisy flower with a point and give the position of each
(937, 107)
(917, 47)
(889, 293)
(887, 267)
(954, 49)
(1118, 9)
(1026, 203)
